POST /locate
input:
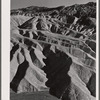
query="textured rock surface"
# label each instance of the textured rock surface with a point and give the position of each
(53, 50)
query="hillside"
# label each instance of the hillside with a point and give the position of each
(54, 50)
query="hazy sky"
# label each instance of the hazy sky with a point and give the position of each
(47, 3)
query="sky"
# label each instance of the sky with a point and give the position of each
(47, 3)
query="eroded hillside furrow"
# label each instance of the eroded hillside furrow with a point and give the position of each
(59, 40)
(77, 55)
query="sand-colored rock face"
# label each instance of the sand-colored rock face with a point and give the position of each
(54, 51)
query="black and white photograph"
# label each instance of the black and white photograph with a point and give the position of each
(53, 46)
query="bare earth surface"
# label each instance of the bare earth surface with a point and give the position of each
(32, 96)
(53, 53)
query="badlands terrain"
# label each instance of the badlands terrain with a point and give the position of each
(53, 53)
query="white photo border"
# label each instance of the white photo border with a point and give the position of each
(5, 50)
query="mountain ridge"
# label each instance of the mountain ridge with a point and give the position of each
(78, 7)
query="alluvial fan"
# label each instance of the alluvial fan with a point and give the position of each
(53, 50)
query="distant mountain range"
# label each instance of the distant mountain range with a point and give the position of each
(76, 10)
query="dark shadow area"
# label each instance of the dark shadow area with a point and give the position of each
(56, 69)
(12, 52)
(92, 85)
(19, 75)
